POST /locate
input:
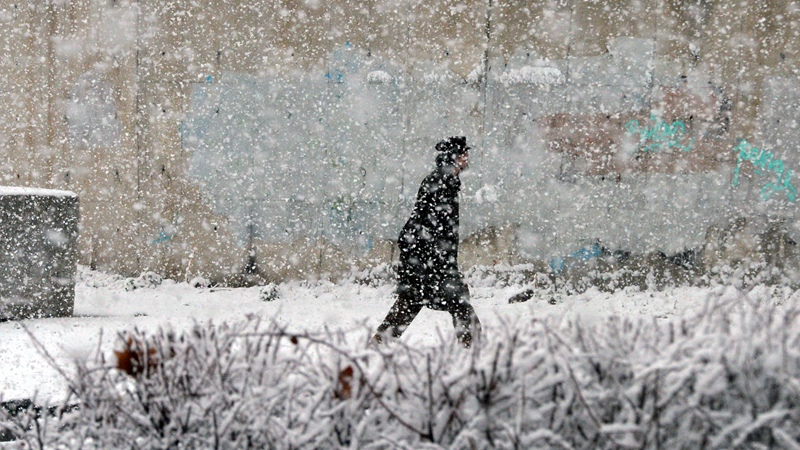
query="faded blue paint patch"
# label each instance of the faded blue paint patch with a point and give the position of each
(585, 253)
(338, 77)
(273, 153)
(557, 264)
(162, 237)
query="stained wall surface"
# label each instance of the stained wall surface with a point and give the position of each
(286, 139)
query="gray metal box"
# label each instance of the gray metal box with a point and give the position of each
(38, 252)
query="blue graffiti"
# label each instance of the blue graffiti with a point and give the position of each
(339, 77)
(165, 235)
(763, 160)
(345, 61)
(660, 135)
(585, 253)
(162, 237)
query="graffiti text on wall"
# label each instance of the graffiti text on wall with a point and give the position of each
(765, 161)
(659, 135)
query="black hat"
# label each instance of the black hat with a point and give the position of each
(454, 146)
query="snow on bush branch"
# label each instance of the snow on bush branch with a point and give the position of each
(727, 378)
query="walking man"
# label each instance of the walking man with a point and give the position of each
(428, 273)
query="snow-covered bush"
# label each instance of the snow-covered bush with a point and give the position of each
(96, 279)
(269, 293)
(144, 281)
(503, 275)
(381, 274)
(200, 282)
(727, 378)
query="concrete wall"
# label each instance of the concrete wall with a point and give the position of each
(279, 139)
(38, 252)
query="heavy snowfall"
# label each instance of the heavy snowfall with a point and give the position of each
(230, 179)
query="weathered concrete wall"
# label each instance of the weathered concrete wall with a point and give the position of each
(287, 139)
(38, 252)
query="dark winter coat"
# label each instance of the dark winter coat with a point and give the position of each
(429, 240)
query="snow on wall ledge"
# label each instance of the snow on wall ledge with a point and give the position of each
(265, 141)
(38, 244)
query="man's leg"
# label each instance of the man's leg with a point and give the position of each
(400, 316)
(465, 321)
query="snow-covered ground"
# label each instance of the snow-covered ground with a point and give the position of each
(103, 307)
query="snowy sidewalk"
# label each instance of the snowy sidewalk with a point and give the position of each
(103, 307)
